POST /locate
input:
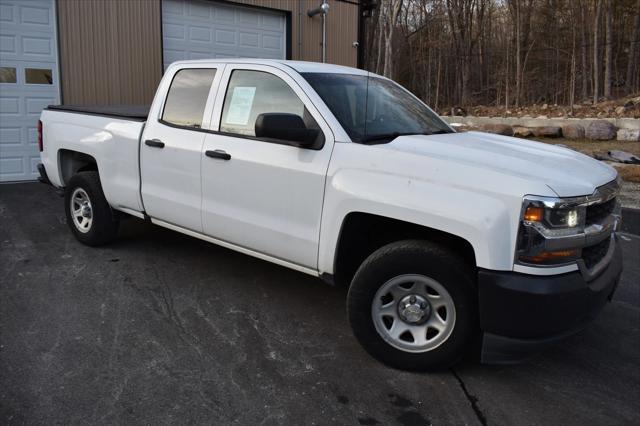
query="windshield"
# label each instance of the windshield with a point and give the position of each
(390, 110)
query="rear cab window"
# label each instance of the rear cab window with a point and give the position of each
(187, 97)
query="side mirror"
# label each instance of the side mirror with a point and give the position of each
(285, 127)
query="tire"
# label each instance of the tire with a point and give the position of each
(443, 287)
(97, 225)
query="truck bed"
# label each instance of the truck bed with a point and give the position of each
(129, 112)
(110, 135)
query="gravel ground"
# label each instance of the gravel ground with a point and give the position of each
(630, 195)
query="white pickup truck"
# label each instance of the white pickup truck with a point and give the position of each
(449, 242)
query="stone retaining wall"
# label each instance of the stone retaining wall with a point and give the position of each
(622, 129)
(620, 123)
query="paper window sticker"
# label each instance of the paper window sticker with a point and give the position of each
(240, 105)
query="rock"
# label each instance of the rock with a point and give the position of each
(602, 156)
(465, 128)
(577, 106)
(547, 132)
(542, 117)
(623, 157)
(457, 110)
(628, 135)
(573, 131)
(544, 106)
(620, 110)
(499, 129)
(600, 130)
(522, 132)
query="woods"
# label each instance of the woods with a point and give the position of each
(507, 53)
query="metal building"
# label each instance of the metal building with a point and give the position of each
(93, 52)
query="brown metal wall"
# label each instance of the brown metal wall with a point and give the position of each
(111, 50)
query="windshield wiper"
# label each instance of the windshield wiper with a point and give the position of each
(372, 138)
(391, 136)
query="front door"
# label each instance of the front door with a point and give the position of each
(259, 193)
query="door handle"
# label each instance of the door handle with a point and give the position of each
(156, 143)
(218, 153)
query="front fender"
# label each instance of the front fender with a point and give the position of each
(489, 222)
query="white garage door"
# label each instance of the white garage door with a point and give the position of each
(201, 29)
(28, 82)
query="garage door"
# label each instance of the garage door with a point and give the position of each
(28, 82)
(197, 29)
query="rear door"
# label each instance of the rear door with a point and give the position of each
(264, 195)
(171, 147)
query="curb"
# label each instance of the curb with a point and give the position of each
(630, 221)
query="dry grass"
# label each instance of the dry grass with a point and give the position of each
(589, 147)
(629, 172)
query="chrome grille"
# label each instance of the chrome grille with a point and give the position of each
(596, 213)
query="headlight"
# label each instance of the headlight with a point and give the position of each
(571, 220)
(543, 220)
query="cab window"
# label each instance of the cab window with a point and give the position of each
(187, 97)
(252, 93)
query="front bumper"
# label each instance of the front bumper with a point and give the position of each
(521, 314)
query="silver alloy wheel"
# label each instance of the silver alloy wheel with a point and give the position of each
(413, 313)
(81, 210)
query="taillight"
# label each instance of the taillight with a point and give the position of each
(40, 135)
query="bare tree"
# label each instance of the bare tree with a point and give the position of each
(507, 52)
(521, 14)
(465, 17)
(583, 50)
(596, 56)
(394, 12)
(608, 48)
(634, 43)
(381, 31)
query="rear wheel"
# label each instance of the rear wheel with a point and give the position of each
(412, 305)
(89, 215)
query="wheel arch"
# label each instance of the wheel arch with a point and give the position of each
(71, 162)
(362, 233)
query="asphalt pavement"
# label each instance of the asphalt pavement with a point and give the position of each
(161, 328)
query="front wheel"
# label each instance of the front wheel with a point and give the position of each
(89, 215)
(412, 305)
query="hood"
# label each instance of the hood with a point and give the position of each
(566, 172)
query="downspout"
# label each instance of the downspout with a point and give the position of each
(324, 34)
(322, 9)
